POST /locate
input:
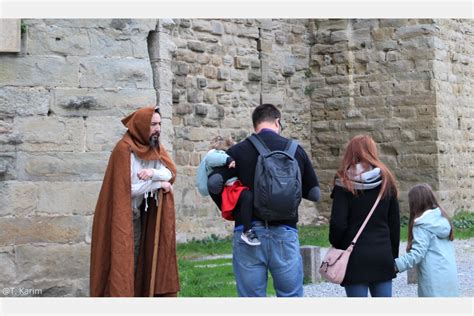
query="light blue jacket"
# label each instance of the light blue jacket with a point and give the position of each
(214, 158)
(433, 252)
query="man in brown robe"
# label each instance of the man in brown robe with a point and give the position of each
(114, 271)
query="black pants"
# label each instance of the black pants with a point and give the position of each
(243, 211)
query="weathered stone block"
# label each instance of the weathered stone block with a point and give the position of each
(229, 86)
(180, 68)
(61, 166)
(339, 36)
(255, 63)
(298, 29)
(62, 229)
(62, 288)
(210, 72)
(338, 103)
(163, 76)
(140, 45)
(10, 37)
(300, 51)
(236, 75)
(363, 126)
(217, 28)
(328, 49)
(18, 198)
(223, 74)
(18, 101)
(7, 166)
(67, 198)
(48, 39)
(411, 31)
(201, 82)
(54, 261)
(216, 112)
(165, 102)
(288, 70)
(8, 270)
(51, 133)
(333, 24)
(162, 47)
(98, 102)
(241, 62)
(202, 25)
(42, 71)
(265, 46)
(197, 46)
(254, 76)
(201, 109)
(103, 133)
(194, 95)
(98, 72)
(311, 261)
(182, 109)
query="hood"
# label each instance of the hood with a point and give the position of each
(138, 124)
(137, 135)
(434, 222)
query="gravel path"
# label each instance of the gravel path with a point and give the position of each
(464, 259)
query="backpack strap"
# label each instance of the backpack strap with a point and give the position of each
(259, 144)
(291, 147)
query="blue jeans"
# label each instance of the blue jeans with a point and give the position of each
(377, 289)
(279, 253)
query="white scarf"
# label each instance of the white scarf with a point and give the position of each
(363, 179)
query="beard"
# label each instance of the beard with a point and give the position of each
(155, 140)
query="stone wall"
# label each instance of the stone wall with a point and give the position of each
(376, 77)
(453, 68)
(222, 70)
(61, 100)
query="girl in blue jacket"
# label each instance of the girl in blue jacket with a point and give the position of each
(429, 246)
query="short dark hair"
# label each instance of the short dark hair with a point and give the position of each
(265, 113)
(157, 110)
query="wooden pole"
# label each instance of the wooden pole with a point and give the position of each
(156, 242)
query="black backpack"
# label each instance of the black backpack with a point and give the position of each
(277, 185)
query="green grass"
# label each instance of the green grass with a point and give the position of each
(206, 247)
(463, 225)
(210, 278)
(218, 281)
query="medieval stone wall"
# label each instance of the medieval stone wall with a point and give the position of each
(379, 77)
(61, 100)
(453, 68)
(222, 70)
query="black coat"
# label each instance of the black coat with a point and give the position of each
(372, 258)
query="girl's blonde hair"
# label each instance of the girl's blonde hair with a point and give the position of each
(421, 198)
(221, 143)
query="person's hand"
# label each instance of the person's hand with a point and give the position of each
(166, 186)
(145, 174)
(232, 164)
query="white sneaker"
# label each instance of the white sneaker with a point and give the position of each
(250, 238)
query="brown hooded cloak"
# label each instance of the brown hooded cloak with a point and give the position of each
(112, 246)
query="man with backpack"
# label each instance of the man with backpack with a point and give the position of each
(279, 173)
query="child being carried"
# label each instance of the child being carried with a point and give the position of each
(234, 192)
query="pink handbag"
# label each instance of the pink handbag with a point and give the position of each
(334, 265)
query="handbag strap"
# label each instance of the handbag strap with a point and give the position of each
(367, 218)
